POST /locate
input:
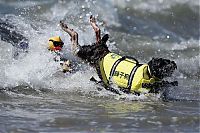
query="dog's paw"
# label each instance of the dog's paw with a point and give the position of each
(63, 25)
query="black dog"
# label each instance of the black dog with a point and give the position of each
(126, 72)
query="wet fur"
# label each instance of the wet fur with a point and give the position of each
(93, 53)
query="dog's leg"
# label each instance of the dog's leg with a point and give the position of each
(158, 86)
(73, 34)
(96, 28)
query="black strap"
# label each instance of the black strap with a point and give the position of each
(115, 66)
(130, 80)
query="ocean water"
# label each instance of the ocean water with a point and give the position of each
(35, 97)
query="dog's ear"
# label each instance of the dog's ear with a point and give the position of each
(105, 38)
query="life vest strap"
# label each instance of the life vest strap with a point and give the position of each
(115, 66)
(130, 80)
(132, 58)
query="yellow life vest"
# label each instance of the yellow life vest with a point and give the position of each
(125, 72)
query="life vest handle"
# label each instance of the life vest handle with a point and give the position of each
(132, 58)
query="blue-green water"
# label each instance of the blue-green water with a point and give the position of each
(36, 97)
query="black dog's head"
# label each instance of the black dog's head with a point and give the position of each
(161, 68)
